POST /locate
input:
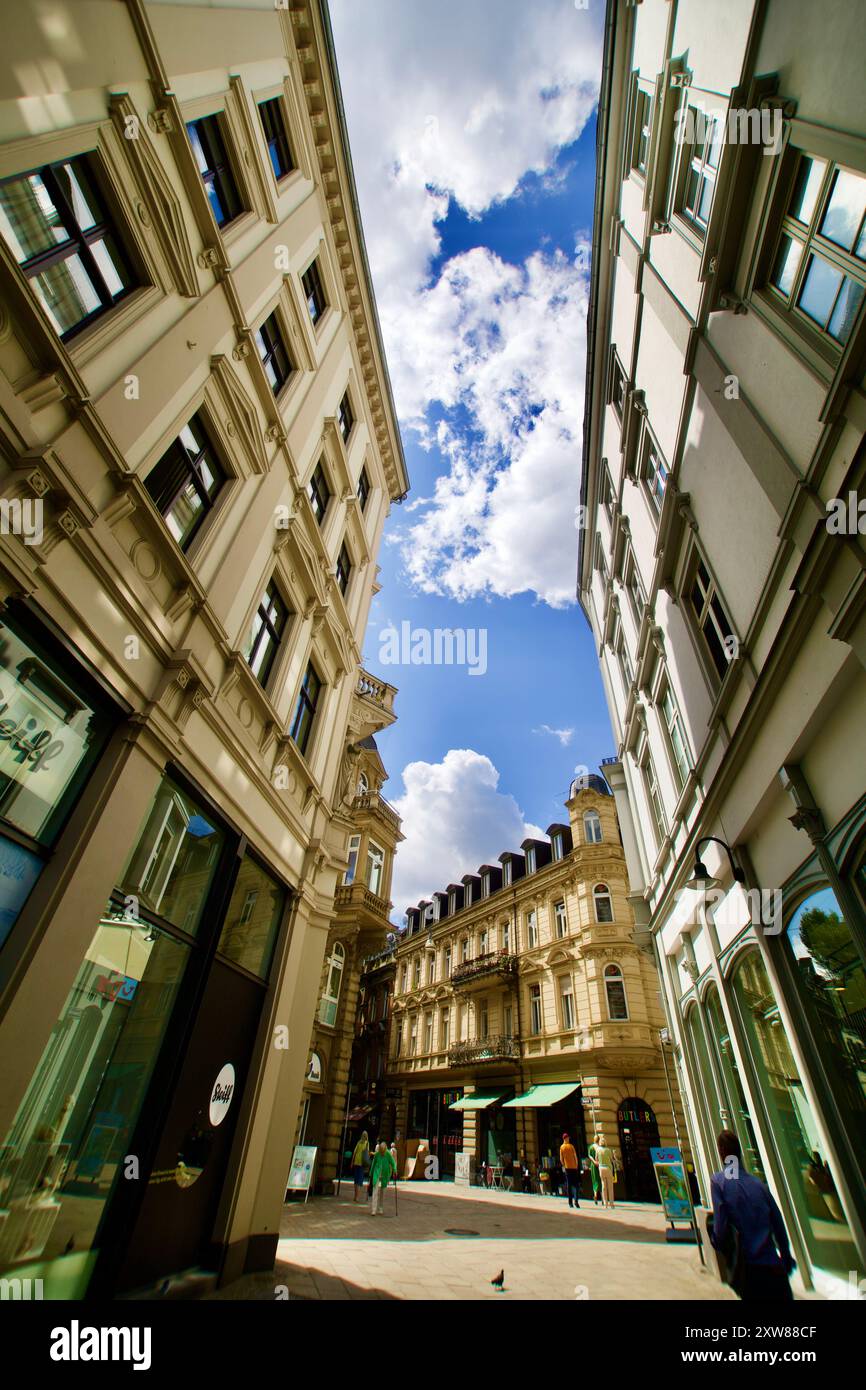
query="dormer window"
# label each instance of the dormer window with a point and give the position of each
(530, 860)
(506, 872)
(556, 844)
(485, 885)
(468, 897)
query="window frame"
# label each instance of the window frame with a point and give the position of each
(210, 452)
(696, 562)
(566, 992)
(277, 635)
(305, 705)
(536, 1010)
(276, 102)
(600, 893)
(344, 569)
(319, 475)
(592, 839)
(688, 164)
(316, 292)
(614, 973)
(227, 172)
(372, 850)
(560, 920)
(280, 345)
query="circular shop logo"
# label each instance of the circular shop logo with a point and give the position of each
(221, 1095)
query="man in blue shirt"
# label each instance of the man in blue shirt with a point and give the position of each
(744, 1203)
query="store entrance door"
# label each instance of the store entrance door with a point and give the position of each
(638, 1133)
(174, 1227)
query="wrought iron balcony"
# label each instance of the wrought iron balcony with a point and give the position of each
(495, 1049)
(480, 969)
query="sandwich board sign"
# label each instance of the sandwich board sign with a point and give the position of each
(301, 1171)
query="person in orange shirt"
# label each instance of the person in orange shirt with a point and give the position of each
(570, 1166)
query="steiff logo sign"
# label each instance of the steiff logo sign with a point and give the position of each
(221, 1095)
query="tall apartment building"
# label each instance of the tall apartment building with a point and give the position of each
(339, 1083)
(524, 1008)
(198, 450)
(725, 412)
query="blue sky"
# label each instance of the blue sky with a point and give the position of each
(475, 168)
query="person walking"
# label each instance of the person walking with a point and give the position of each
(382, 1170)
(592, 1151)
(360, 1163)
(604, 1159)
(748, 1229)
(568, 1159)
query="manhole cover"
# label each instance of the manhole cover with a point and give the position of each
(459, 1231)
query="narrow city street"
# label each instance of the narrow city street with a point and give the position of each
(447, 1242)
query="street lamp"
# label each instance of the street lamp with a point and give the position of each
(701, 877)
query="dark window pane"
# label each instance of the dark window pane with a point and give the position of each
(175, 859)
(819, 291)
(253, 919)
(844, 213)
(276, 137)
(212, 158)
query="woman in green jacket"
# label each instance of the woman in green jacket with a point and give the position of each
(382, 1170)
(360, 1164)
(593, 1171)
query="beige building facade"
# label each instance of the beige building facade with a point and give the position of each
(525, 1007)
(724, 425)
(198, 450)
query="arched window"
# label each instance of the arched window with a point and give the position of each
(592, 828)
(614, 985)
(363, 784)
(603, 904)
(333, 983)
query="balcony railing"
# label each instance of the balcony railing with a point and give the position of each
(372, 801)
(379, 692)
(359, 895)
(493, 963)
(495, 1049)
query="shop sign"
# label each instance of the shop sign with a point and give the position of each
(221, 1095)
(37, 747)
(463, 1169)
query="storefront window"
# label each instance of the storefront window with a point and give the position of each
(52, 731)
(742, 1120)
(799, 1145)
(253, 919)
(66, 1149)
(709, 1108)
(174, 862)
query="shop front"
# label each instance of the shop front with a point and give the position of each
(115, 1162)
(432, 1117)
(558, 1109)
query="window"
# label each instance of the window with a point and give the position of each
(819, 267)
(600, 561)
(349, 875)
(467, 897)
(535, 1010)
(446, 962)
(654, 472)
(485, 885)
(58, 229)
(606, 493)
(313, 292)
(592, 828)
(560, 920)
(614, 986)
(482, 943)
(363, 784)
(506, 873)
(319, 492)
(209, 148)
(276, 139)
(253, 919)
(508, 1020)
(274, 353)
(413, 1035)
(676, 740)
(652, 793)
(305, 713)
(634, 589)
(363, 488)
(617, 386)
(531, 929)
(557, 845)
(375, 866)
(464, 949)
(404, 973)
(431, 968)
(619, 645)
(345, 418)
(700, 162)
(266, 633)
(416, 973)
(333, 983)
(602, 902)
(185, 482)
(566, 1003)
(641, 134)
(506, 936)
(428, 1033)
(483, 1020)
(712, 620)
(444, 1030)
(343, 571)
(530, 860)
(398, 1037)
(461, 1023)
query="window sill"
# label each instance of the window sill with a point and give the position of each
(105, 332)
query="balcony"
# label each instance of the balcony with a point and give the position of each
(477, 973)
(496, 1049)
(372, 801)
(358, 897)
(374, 702)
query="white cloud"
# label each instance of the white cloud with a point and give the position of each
(454, 819)
(462, 101)
(564, 735)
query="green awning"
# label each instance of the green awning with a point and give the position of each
(479, 1100)
(540, 1097)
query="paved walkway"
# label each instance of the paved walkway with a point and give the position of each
(447, 1242)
